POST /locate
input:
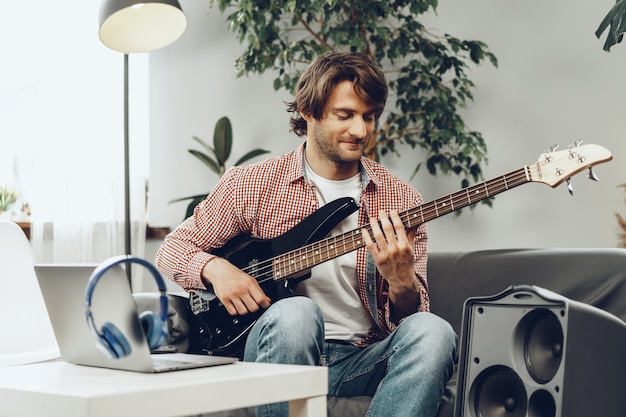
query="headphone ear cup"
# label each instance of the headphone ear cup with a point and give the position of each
(114, 341)
(153, 329)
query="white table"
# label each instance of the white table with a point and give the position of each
(50, 389)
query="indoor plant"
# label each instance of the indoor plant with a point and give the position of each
(427, 73)
(216, 157)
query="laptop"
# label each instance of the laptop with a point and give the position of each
(63, 288)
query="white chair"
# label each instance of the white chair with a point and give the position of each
(26, 334)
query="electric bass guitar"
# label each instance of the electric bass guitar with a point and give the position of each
(279, 263)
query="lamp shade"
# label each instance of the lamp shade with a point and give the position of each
(132, 26)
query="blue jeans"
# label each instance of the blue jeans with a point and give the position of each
(406, 373)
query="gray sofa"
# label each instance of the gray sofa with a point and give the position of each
(592, 276)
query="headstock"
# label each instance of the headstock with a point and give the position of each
(554, 167)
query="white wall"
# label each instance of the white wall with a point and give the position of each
(554, 85)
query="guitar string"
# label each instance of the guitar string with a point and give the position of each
(264, 270)
(428, 211)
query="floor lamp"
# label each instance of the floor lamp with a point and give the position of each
(132, 26)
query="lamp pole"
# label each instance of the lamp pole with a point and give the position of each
(131, 26)
(127, 218)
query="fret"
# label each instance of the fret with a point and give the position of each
(477, 193)
(357, 241)
(301, 260)
(279, 272)
(317, 254)
(458, 201)
(416, 218)
(291, 265)
(445, 206)
(332, 248)
(406, 218)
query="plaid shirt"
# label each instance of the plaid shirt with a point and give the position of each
(265, 200)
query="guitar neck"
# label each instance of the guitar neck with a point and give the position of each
(306, 257)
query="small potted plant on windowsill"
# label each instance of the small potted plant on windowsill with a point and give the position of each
(8, 198)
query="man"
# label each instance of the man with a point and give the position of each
(365, 314)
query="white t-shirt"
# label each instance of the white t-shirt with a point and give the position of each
(333, 284)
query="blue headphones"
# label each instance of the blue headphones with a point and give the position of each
(109, 338)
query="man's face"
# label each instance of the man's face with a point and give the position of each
(345, 128)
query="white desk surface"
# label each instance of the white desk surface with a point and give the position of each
(57, 388)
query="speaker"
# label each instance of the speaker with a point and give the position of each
(109, 338)
(528, 352)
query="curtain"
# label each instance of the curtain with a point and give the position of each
(62, 110)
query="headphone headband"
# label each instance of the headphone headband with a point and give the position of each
(119, 344)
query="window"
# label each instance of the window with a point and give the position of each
(61, 129)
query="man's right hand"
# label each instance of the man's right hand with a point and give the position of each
(239, 292)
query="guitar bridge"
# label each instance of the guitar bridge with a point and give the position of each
(199, 302)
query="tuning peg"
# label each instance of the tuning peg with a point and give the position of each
(592, 175)
(570, 188)
(554, 148)
(578, 143)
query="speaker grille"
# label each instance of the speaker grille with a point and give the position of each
(543, 345)
(541, 404)
(499, 392)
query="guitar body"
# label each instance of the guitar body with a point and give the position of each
(218, 332)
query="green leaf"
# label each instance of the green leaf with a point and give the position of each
(223, 141)
(195, 200)
(206, 159)
(252, 154)
(193, 197)
(204, 144)
(616, 19)
(193, 203)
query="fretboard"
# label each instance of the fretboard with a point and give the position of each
(306, 257)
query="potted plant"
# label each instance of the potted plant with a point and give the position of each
(216, 156)
(427, 73)
(8, 198)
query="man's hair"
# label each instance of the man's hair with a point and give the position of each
(319, 79)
